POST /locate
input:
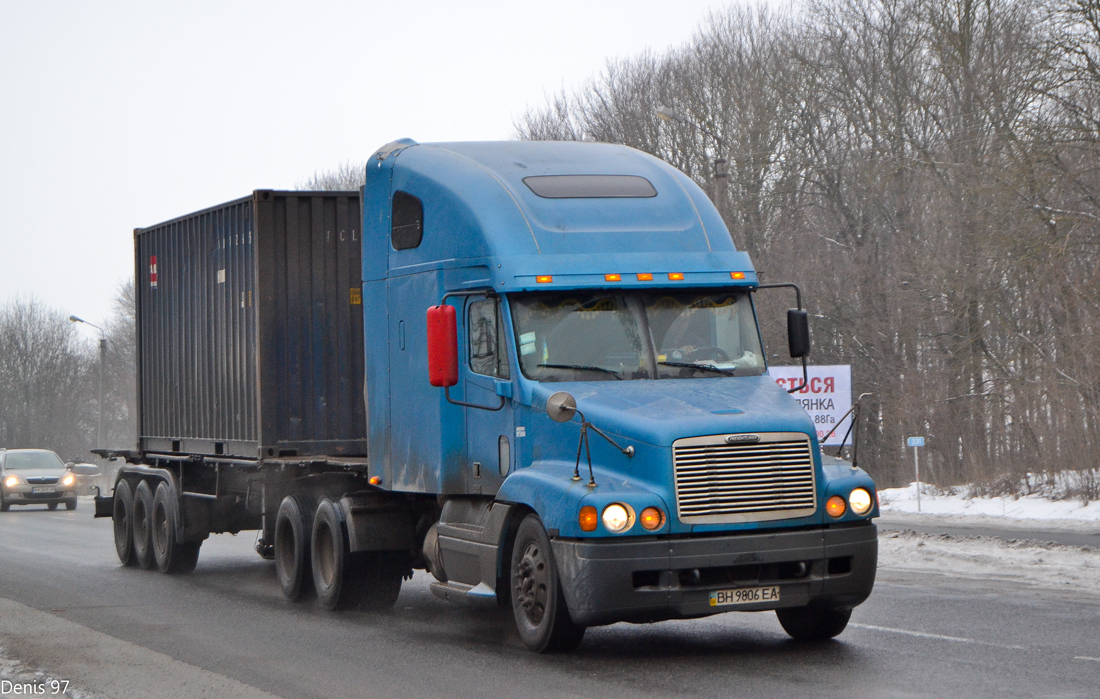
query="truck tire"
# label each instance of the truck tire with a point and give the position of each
(293, 531)
(123, 518)
(538, 604)
(171, 556)
(142, 524)
(813, 623)
(334, 568)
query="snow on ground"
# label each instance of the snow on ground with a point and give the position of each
(16, 680)
(1074, 569)
(1036, 511)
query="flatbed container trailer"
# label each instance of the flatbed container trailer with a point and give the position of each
(532, 369)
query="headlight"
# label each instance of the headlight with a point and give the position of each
(11, 481)
(861, 501)
(617, 518)
(70, 479)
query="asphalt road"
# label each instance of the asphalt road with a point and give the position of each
(918, 635)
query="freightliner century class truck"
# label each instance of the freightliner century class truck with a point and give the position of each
(532, 369)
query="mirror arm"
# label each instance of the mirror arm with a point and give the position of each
(490, 293)
(798, 302)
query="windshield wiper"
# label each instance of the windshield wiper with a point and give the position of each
(689, 365)
(582, 368)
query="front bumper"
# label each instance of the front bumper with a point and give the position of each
(23, 495)
(606, 581)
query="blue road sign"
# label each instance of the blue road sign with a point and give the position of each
(916, 441)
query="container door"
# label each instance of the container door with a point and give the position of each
(490, 434)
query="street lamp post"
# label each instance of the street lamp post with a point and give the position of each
(102, 362)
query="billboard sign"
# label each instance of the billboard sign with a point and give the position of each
(826, 396)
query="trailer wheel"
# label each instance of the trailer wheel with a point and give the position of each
(123, 518)
(538, 604)
(143, 525)
(334, 569)
(813, 623)
(293, 531)
(171, 556)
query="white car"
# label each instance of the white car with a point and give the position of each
(35, 477)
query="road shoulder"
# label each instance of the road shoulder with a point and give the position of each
(98, 665)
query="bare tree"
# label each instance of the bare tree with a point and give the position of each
(345, 177)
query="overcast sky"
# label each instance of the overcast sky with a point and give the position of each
(115, 115)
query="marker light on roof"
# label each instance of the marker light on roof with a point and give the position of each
(612, 277)
(645, 277)
(676, 276)
(544, 279)
(737, 275)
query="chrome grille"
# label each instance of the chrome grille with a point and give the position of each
(717, 482)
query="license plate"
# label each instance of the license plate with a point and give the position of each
(44, 489)
(744, 595)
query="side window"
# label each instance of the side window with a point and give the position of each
(406, 221)
(488, 350)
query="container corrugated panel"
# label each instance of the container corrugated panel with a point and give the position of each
(250, 328)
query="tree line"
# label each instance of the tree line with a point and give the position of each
(927, 170)
(49, 379)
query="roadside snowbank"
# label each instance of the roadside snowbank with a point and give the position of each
(1029, 508)
(1072, 569)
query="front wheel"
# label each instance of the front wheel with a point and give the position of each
(70, 504)
(813, 623)
(52, 506)
(538, 604)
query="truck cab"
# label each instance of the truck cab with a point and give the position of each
(599, 426)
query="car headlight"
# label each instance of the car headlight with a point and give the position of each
(617, 517)
(11, 481)
(860, 500)
(69, 479)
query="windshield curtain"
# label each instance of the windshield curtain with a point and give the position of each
(666, 334)
(32, 461)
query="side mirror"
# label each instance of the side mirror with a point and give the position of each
(798, 332)
(442, 346)
(85, 469)
(561, 407)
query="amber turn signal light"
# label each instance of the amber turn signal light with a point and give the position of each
(835, 506)
(588, 518)
(652, 518)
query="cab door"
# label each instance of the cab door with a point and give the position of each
(487, 381)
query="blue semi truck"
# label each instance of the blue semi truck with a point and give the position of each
(533, 369)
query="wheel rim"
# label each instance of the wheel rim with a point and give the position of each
(122, 524)
(160, 527)
(286, 548)
(326, 556)
(532, 581)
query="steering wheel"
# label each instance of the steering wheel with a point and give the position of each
(710, 352)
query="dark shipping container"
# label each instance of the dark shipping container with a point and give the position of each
(250, 328)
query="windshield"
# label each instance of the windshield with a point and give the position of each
(602, 336)
(32, 461)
